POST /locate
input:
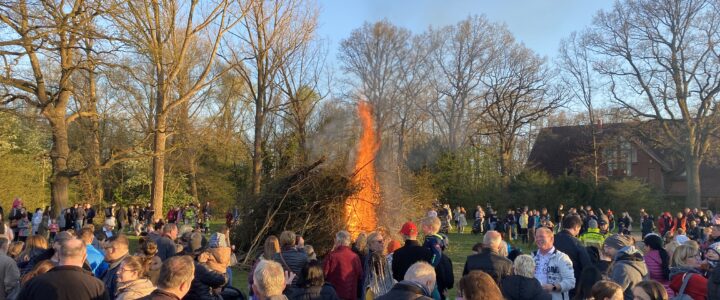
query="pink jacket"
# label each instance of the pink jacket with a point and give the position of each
(654, 266)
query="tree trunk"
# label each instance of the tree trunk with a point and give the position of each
(692, 171)
(59, 153)
(158, 167)
(96, 192)
(257, 149)
(193, 176)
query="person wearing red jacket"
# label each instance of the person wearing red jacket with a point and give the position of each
(680, 222)
(666, 223)
(343, 268)
(686, 267)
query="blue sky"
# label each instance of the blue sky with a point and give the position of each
(540, 24)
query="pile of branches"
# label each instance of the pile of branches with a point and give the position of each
(310, 202)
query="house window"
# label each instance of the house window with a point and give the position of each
(620, 158)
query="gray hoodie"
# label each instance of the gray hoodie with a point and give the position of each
(628, 269)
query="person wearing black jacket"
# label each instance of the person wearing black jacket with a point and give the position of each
(488, 261)
(410, 253)
(444, 276)
(205, 281)
(312, 285)
(523, 285)
(566, 242)
(68, 280)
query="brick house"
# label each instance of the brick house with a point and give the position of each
(568, 150)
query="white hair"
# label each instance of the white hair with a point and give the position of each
(524, 266)
(268, 278)
(492, 240)
(342, 238)
(420, 272)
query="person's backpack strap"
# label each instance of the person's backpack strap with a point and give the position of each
(686, 279)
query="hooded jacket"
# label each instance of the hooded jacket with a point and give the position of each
(628, 269)
(559, 270)
(697, 287)
(516, 287)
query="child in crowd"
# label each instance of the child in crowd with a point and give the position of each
(54, 228)
(433, 241)
(24, 227)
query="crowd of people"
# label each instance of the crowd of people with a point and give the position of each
(581, 253)
(70, 258)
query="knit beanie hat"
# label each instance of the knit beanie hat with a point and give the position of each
(618, 241)
(593, 224)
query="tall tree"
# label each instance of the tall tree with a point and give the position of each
(40, 51)
(162, 32)
(574, 60)
(518, 91)
(660, 58)
(271, 35)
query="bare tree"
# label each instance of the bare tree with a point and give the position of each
(162, 32)
(660, 58)
(460, 57)
(578, 78)
(38, 47)
(270, 36)
(374, 56)
(518, 92)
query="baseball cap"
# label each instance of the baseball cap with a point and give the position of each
(409, 229)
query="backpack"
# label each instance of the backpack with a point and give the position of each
(681, 293)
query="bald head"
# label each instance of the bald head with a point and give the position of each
(492, 240)
(72, 252)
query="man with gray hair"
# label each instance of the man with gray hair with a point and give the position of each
(418, 283)
(68, 280)
(269, 281)
(488, 260)
(8, 270)
(342, 267)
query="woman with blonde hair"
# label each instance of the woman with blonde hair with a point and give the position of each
(522, 285)
(378, 278)
(685, 272)
(270, 248)
(34, 245)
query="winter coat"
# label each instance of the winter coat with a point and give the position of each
(573, 248)
(697, 287)
(204, 282)
(628, 269)
(109, 276)
(445, 278)
(343, 270)
(406, 256)
(166, 248)
(559, 270)
(64, 282)
(133, 290)
(713, 283)
(516, 287)
(407, 290)
(10, 275)
(497, 266)
(292, 259)
(653, 262)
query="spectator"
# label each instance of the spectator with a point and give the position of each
(478, 285)
(95, 258)
(410, 253)
(418, 283)
(657, 261)
(342, 267)
(68, 280)
(522, 285)
(553, 269)
(132, 277)
(378, 278)
(650, 290)
(270, 248)
(9, 272)
(207, 281)
(176, 275)
(607, 290)
(290, 257)
(588, 278)
(566, 242)
(592, 237)
(488, 260)
(433, 241)
(166, 243)
(445, 278)
(106, 231)
(117, 248)
(80, 215)
(15, 249)
(34, 246)
(40, 268)
(269, 281)
(628, 267)
(313, 286)
(685, 268)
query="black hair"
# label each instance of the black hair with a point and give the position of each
(312, 274)
(571, 221)
(588, 278)
(655, 242)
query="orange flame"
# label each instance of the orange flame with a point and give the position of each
(360, 208)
